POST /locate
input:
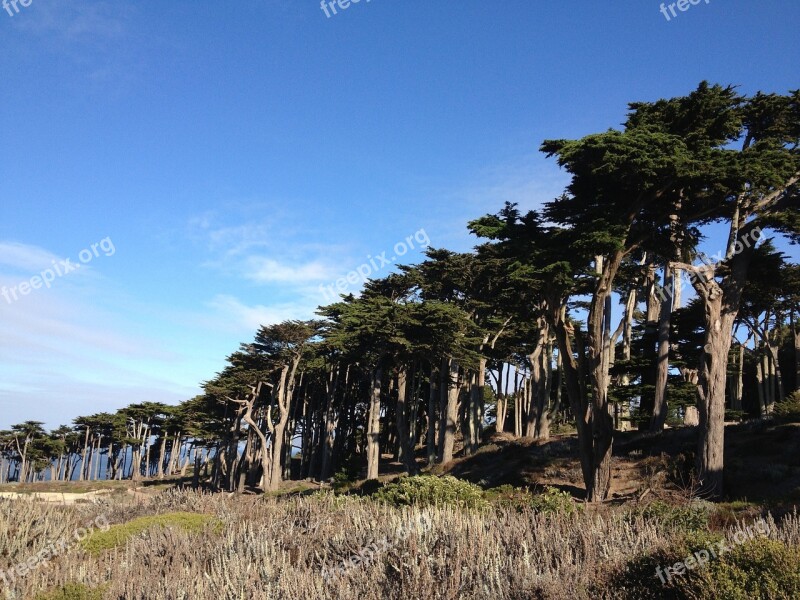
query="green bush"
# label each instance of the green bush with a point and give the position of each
(685, 518)
(509, 496)
(73, 591)
(554, 501)
(427, 490)
(788, 411)
(759, 569)
(117, 535)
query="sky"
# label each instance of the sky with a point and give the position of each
(175, 174)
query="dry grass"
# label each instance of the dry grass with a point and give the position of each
(271, 548)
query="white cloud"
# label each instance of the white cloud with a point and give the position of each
(71, 349)
(267, 270)
(25, 257)
(253, 317)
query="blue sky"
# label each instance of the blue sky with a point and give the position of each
(239, 155)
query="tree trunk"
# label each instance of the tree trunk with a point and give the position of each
(599, 339)
(543, 394)
(374, 425)
(660, 408)
(404, 450)
(796, 332)
(476, 406)
(449, 417)
(711, 385)
(776, 372)
(330, 425)
(432, 396)
(574, 379)
(649, 340)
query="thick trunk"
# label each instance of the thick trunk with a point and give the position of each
(374, 425)
(776, 373)
(660, 408)
(276, 462)
(796, 332)
(502, 402)
(330, 426)
(711, 385)
(473, 410)
(649, 340)
(449, 417)
(404, 453)
(543, 395)
(721, 305)
(573, 375)
(431, 434)
(599, 339)
(534, 414)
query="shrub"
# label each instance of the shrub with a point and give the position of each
(427, 490)
(686, 518)
(73, 591)
(554, 501)
(789, 410)
(117, 535)
(509, 496)
(761, 569)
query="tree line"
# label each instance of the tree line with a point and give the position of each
(517, 336)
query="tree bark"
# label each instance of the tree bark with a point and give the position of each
(431, 434)
(660, 408)
(374, 424)
(449, 417)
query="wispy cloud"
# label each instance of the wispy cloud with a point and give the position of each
(267, 270)
(69, 349)
(253, 317)
(77, 20)
(24, 257)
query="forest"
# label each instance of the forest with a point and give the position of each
(596, 314)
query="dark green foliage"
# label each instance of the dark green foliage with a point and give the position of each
(788, 411)
(73, 591)
(686, 518)
(427, 490)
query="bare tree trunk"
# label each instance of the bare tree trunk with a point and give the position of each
(449, 417)
(330, 425)
(404, 450)
(543, 394)
(374, 425)
(85, 455)
(760, 382)
(162, 455)
(574, 378)
(649, 341)
(776, 372)
(502, 401)
(796, 335)
(739, 379)
(660, 408)
(431, 435)
(599, 338)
